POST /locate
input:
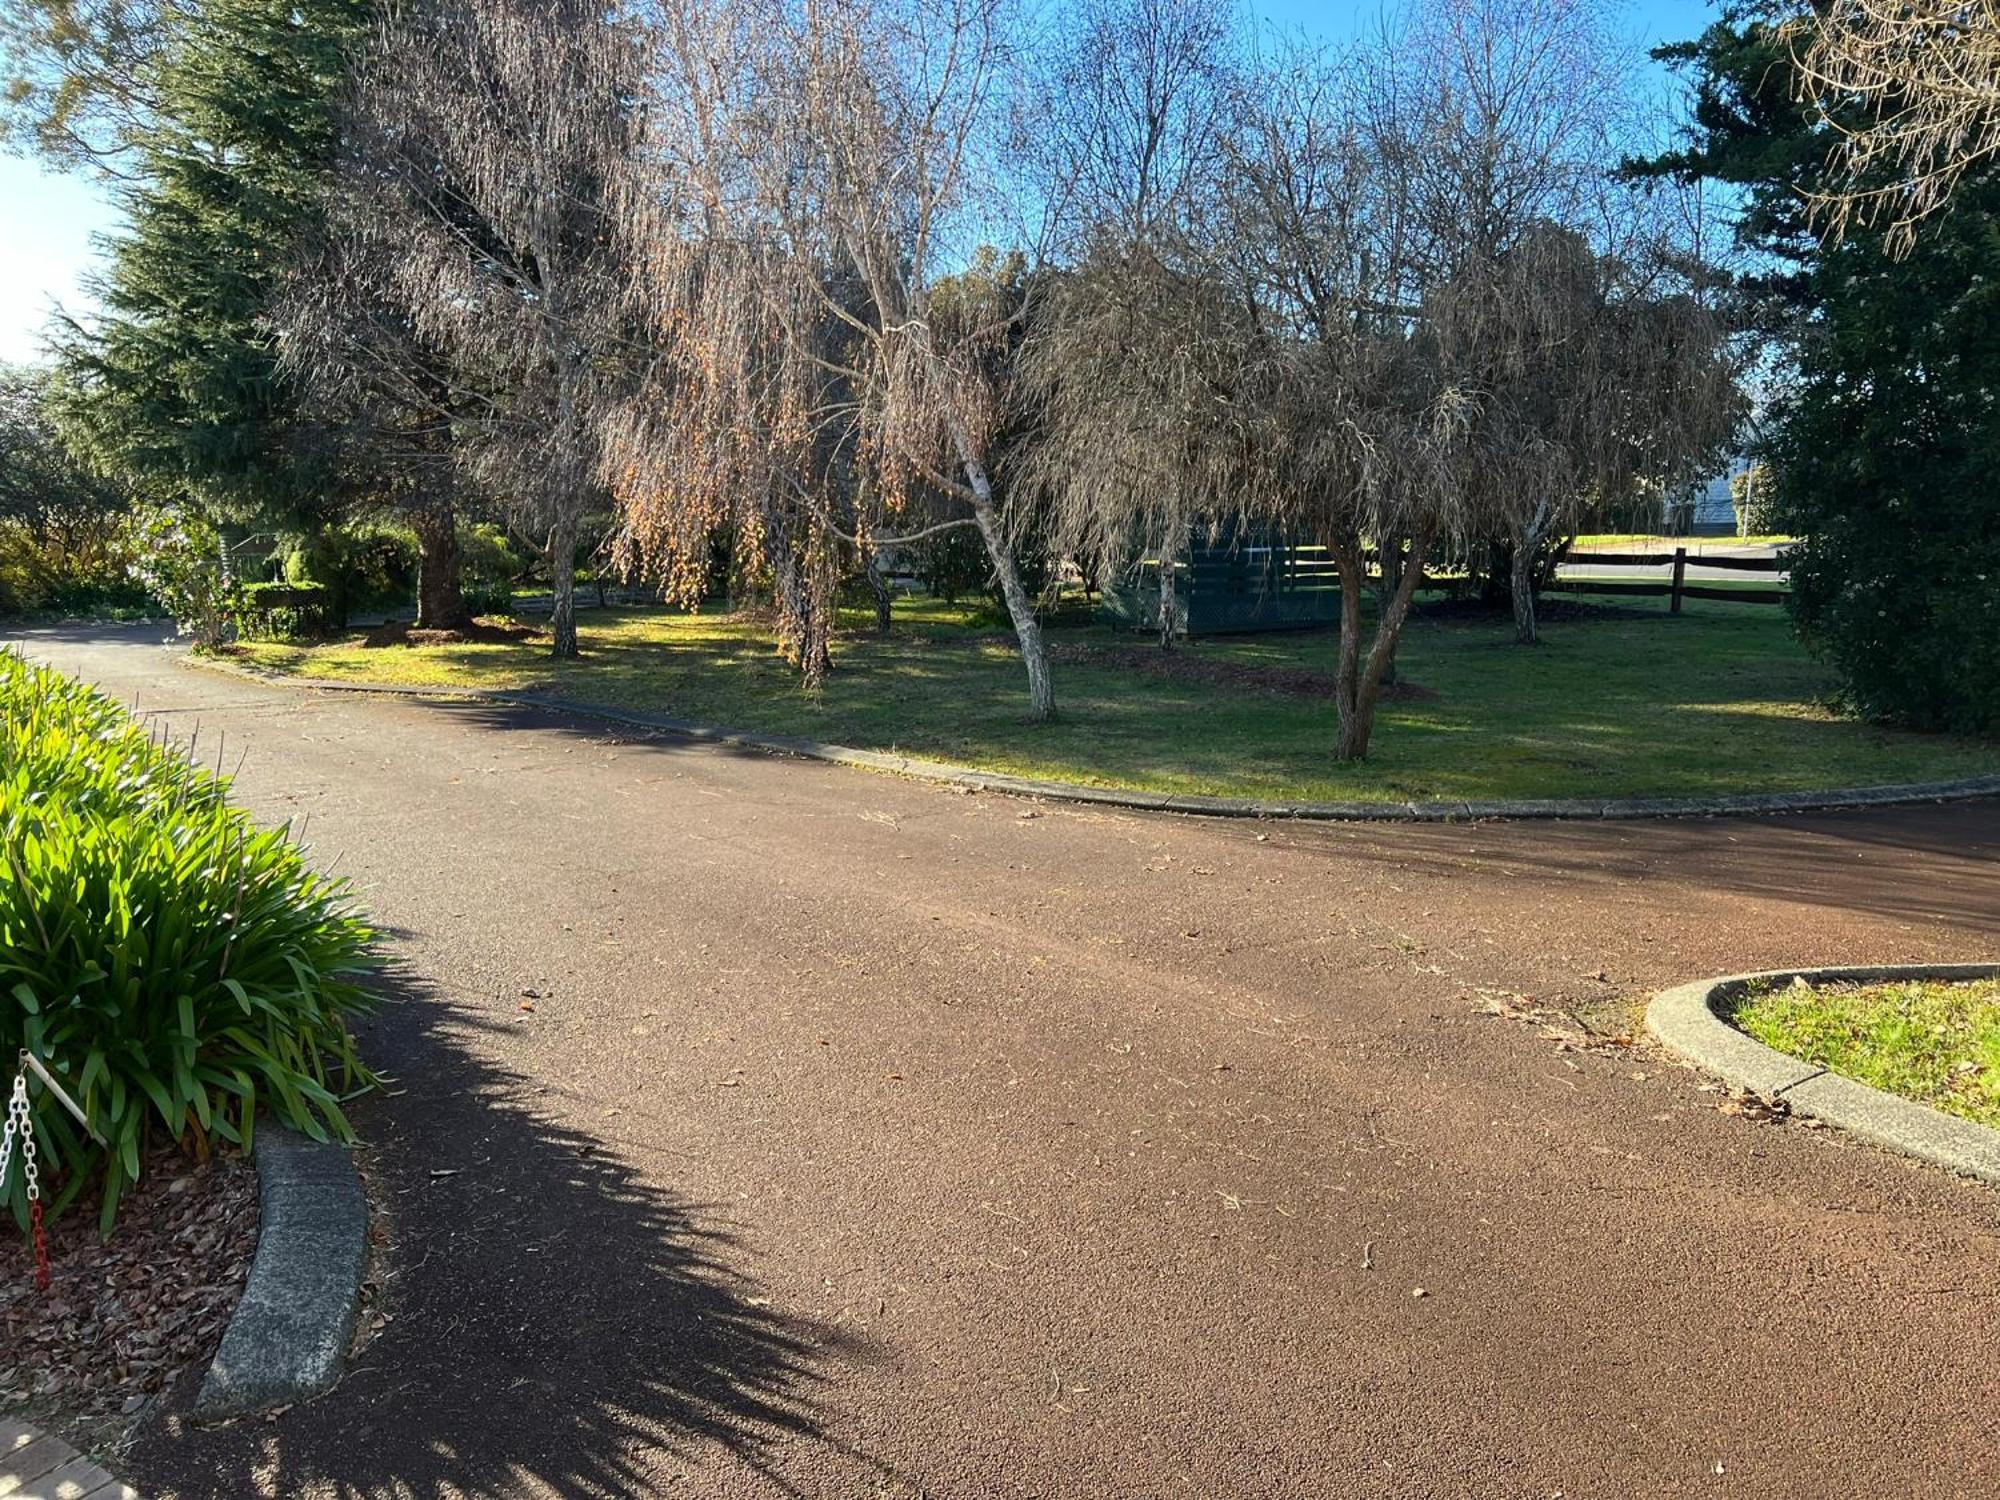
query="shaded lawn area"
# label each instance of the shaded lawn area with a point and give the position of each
(1933, 1041)
(1629, 702)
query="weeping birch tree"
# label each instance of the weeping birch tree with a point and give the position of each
(1585, 379)
(1133, 116)
(841, 168)
(1551, 300)
(1384, 327)
(1261, 375)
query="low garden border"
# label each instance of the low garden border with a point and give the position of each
(288, 1338)
(1687, 1020)
(1451, 811)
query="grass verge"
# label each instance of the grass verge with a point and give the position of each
(1934, 1041)
(1615, 702)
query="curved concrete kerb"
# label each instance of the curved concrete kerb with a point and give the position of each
(1689, 1021)
(288, 1337)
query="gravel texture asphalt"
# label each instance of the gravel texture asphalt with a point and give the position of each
(763, 1127)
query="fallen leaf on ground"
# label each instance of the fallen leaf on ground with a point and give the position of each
(1748, 1104)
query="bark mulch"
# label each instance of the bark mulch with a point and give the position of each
(124, 1319)
(487, 632)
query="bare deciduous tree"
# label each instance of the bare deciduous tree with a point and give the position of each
(1133, 124)
(1585, 381)
(1255, 373)
(388, 402)
(1912, 88)
(1381, 325)
(493, 194)
(1547, 305)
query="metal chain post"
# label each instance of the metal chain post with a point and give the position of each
(20, 1128)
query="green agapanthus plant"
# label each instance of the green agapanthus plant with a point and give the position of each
(176, 966)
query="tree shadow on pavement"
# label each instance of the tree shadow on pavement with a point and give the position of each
(551, 1320)
(1938, 863)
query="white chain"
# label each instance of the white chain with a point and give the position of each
(18, 1125)
(7, 1130)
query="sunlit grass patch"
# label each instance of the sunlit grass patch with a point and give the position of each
(1934, 1041)
(1720, 699)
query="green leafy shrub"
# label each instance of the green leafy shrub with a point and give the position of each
(365, 565)
(487, 568)
(951, 564)
(1754, 499)
(65, 532)
(486, 558)
(176, 966)
(176, 558)
(78, 564)
(488, 599)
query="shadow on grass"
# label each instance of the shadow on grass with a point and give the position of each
(557, 1321)
(1701, 704)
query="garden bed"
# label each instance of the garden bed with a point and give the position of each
(182, 978)
(128, 1320)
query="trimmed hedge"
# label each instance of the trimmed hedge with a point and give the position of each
(176, 966)
(284, 611)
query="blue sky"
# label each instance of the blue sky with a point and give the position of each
(48, 223)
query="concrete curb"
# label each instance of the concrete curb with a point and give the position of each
(1687, 1021)
(1212, 807)
(288, 1337)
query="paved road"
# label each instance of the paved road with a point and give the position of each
(868, 1140)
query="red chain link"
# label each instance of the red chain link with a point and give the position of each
(41, 1246)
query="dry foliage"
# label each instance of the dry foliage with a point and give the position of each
(1922, 77)
(473, 295)
(729, 260)
(829, 360)
(1404, 304)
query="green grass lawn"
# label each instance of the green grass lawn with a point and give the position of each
(1932, 1041)
(1720, 699)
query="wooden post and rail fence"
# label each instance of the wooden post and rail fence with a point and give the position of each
(1676, 588)
(1269, 582)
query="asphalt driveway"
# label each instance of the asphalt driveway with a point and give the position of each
(762, 1127)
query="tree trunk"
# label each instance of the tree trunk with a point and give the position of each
(561, 558)
(1526, 543)
(805, 637)
(1169, 605)
(1389, 567)
(1020, 609)
(440, 598)
(1523, 589)
(811, 609)
(1356, 718)
(1358, 679)
(1497, 560)
(879, 587)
